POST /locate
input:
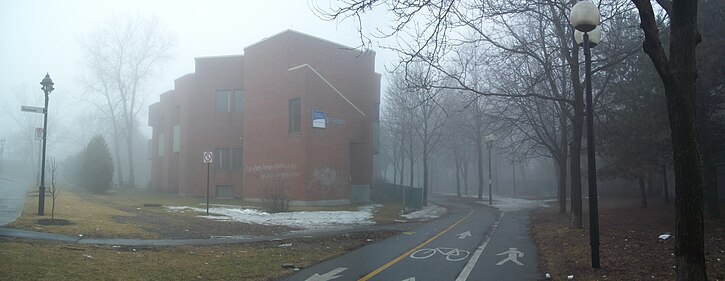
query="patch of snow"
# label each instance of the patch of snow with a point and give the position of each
(507, 204)
(305, 220)
(430, 212)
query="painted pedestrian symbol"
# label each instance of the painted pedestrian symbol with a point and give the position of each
(513, 255)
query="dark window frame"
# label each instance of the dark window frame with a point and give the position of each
(294, 112)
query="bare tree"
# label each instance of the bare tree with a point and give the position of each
(122, 57)
(429, 120)
(54, 188)
(678, 73)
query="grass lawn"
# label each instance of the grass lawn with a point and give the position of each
(630, 247)
(34, 260)
(88, 217)
(124, 215)
(137, 214)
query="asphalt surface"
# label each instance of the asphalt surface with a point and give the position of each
(12, 199)
(498, 248)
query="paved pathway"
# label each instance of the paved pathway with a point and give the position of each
(12, 199)
(34, 235)
(472, 243)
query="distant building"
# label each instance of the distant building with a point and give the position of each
(295, 114)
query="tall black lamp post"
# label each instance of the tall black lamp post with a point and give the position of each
(585, 18)
(47, 88)
(489, 143)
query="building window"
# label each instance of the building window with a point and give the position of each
(161, 144)
(294, 115)
(223, 101)
(238, 100)
(238, 160)
(176, 141)
(221, 159)
(224, 191)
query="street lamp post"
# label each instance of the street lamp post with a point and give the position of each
(47, 88)
(489, 142)
(585, 18)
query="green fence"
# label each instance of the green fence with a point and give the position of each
(412, 199)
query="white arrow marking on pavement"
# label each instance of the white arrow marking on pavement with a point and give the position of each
(474, 259)
(464, 235)
(513, 255)
(410, 279)
(327, 276)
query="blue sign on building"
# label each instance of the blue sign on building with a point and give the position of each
(318, 119)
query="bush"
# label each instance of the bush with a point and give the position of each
(276, 199)
(97, 168)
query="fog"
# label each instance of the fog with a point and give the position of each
(42, 37)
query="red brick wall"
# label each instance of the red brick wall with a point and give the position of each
(202, 128)
(315, 163)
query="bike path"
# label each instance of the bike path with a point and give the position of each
(510, 254)
(445, 257)
(390, 259)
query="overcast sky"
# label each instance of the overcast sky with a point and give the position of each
(43, 36)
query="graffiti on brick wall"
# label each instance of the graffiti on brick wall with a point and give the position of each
(276, 171)
(327, 179)
(325, 176)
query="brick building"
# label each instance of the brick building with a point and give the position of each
(295, 114)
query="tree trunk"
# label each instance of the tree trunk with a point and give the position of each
(561, 177)
(425, 174)
(576, 145)
(402, 159)
(664, 183)
(561, 160)
(678, 74)
(458, 171)
(117, 150)
(479, 152)
(410, 155)
(523, 177)
(129, 143)
(513, 176)
(52, 207)
(642, 192)
(464, 172)
(395, 167)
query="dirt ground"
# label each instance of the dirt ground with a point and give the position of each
(630, 245)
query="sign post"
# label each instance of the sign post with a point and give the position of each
(208, 158)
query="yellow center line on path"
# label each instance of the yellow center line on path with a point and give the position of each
(401, 257)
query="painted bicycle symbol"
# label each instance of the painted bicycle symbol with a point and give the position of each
(452, 254)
